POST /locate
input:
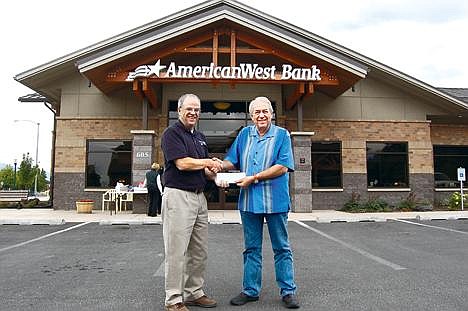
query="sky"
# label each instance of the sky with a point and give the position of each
(424, 39)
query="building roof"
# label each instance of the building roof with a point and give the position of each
(208, 12)
(459, 93)
(32, 98)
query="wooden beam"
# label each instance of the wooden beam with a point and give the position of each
(215, 48)
(295, 96)
(196, 50)
(233, 48)
(137, 89)
(309, 90)
(149, 93)
(253, 51)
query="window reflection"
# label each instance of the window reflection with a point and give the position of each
(387, 165)
(447, 159)
(107, 162)
(326, 165)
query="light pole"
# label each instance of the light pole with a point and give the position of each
(37, 151)
(14, 181)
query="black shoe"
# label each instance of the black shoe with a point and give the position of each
(242, 299)
(290, 302)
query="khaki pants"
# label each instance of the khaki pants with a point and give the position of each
(185, 231)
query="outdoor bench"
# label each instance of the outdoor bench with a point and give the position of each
(14, 196)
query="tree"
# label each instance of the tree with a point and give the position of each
(27, 173)
(7, 177)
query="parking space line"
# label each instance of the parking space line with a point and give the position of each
(353, 248)
(43, 237)
(160, 271)
(430, 226)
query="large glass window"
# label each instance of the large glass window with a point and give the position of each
(387, 165)
(326, 165)
(108, 161)
(447, 159)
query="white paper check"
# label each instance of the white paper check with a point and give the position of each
(231, 178)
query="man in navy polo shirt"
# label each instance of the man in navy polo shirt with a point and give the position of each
(263, 152)
(184, 208)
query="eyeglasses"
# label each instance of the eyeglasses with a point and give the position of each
(192, 110)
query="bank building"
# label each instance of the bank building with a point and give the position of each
(358, 126)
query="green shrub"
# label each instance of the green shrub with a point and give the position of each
(408, 204)
(30, 203)
(454, 202)
(376, 205)
(353, 204)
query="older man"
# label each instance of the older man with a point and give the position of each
(263, 151)
(184, 208)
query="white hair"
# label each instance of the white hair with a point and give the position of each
(182, 99)
(260, 99)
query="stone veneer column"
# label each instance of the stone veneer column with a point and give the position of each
(301, 182)
(142, 154)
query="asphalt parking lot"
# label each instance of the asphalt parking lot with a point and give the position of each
(392, 265)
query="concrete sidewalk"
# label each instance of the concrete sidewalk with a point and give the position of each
(59, 217)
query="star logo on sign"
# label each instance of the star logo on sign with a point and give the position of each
(156, 68)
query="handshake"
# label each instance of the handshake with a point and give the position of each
(214, 164)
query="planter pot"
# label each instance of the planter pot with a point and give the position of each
(85, 207)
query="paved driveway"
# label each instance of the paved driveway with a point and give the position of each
(393, 265)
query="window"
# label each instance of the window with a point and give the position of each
(387, 165)
(108, 161)
(447, 159)
(326, 165)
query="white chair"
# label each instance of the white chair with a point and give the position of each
(126, 197)
(109, 199)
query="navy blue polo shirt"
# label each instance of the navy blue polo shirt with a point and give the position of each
(177, 142)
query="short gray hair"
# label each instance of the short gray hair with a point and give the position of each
(260, 99)
(182, 99)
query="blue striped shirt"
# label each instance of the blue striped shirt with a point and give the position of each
(252, 154)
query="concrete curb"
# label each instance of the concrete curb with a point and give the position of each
(439, 217)
(29, 222)
(343, 219)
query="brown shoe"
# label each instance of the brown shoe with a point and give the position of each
(177, 307)
(203, 301)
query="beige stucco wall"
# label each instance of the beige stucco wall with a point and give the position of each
(80, 99)
(371, 99)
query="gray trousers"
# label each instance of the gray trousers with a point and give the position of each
(185, 231)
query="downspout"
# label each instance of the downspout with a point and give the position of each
(52, 160)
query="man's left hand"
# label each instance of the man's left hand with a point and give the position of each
(246, 181)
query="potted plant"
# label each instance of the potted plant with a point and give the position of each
(84, 206)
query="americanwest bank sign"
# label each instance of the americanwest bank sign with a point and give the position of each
(243, 71)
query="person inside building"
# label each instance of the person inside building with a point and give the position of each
(184, 208)
(263, 151)
(154, 192)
